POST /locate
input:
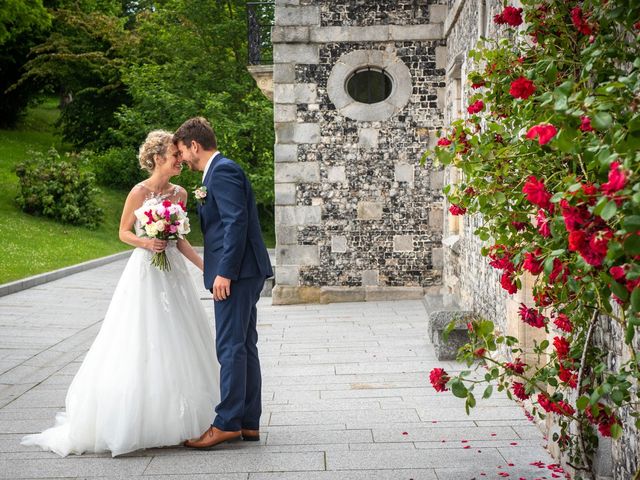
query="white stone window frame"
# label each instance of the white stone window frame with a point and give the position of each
(348, 64)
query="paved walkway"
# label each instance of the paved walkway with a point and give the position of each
(346, 395)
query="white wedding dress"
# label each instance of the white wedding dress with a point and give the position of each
(151, 377)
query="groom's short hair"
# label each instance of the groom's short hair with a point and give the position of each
(196, 129)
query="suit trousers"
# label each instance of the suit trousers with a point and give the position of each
(236, 343)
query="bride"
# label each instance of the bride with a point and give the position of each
(151, 377)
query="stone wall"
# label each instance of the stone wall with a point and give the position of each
(467, 275)
(357, 216)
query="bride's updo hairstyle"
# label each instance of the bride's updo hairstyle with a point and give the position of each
(156, 143)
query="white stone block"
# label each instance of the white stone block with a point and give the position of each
(368, 137)
(337, 174)
(299, 172)
(291, 132)
(298, 215)
(286, 234)
(284, 113)
(369, 210)
(338, 244)
(284, 73)
(441, 57)
(284, 152)
(295, 53)
(284, 93)
(285, 193)
(297, 15)
(290, 34)
(297, 255)
(370, 278)
(289, 275)
(403, 243)
(430, 31)
(437, 258)
(404, 172)
(437, 13)
(305, 93)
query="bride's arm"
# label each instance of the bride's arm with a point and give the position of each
(183, 244)
(134, 200)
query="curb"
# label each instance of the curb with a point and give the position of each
(29, 282)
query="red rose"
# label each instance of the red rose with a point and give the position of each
(559, 271)
(532, 317)
(585, 124)
(479, 352)
(563, 323)
(166, 204)
(563, 408)
(568, 376)
(597, 248)
(508, 283)
(516, 366)
(510, 15)
(532, 262)
(577, 240)
(444, 142)
(562, 347)
(545, 402)
(519, 226)
(478, 85)
(574, 217)
(544, 132)
(589, 189)
(543, 224)
(617, 179)
(536, 192)
(457, 210)
(439, 378)
(182, 206)
(618, 273)
(475, 107)
(518, 390)
(579, 20)
(522, 88)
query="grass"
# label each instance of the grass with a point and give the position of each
(30, 245)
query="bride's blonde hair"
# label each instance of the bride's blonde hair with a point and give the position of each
(156, 143)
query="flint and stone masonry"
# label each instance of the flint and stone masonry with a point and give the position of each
(357, 216)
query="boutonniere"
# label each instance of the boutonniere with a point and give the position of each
(201, 194)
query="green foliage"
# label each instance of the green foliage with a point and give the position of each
(553, 174)
(81, 61)
(21, 16)
(57, 188)
(117, 168)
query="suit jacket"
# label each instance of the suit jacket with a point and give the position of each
(233, 245)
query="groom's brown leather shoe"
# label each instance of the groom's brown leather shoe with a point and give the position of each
(212, 437)
(250, 435)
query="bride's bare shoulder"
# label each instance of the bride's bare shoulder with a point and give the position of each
(138, 192)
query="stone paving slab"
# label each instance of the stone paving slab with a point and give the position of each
(346, 396)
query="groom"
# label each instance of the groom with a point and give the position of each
(236, 264)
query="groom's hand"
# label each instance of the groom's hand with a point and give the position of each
(221, 288)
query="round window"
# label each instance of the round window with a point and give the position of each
(369, 85)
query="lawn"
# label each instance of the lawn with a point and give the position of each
(30, 245)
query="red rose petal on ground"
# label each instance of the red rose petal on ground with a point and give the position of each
(464, 441)
(466, 446)
(494, 434)
(483, 474)
(405, 433)
(511, 464)
(513, 443)
(443, 441)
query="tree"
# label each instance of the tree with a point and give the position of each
(23, 24)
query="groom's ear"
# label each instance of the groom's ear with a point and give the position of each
(195, 146)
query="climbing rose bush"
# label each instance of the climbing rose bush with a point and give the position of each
(549, 154)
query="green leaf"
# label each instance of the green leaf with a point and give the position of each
(631, 223)
(616, 431)
(632, 245)
(458, 389)
(601, 120)
(609, 210)
(617, 396)
(582, 403)
(620, 290)
(635, 299)
(487, 391)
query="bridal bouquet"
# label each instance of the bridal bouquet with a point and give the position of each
(164, 221)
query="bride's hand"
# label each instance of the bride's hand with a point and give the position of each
(156, 246)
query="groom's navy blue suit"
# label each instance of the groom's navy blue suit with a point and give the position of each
(234, 249)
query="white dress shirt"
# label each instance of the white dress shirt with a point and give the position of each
(206, 167)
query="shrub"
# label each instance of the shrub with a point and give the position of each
(56, 187)
(117, 168)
